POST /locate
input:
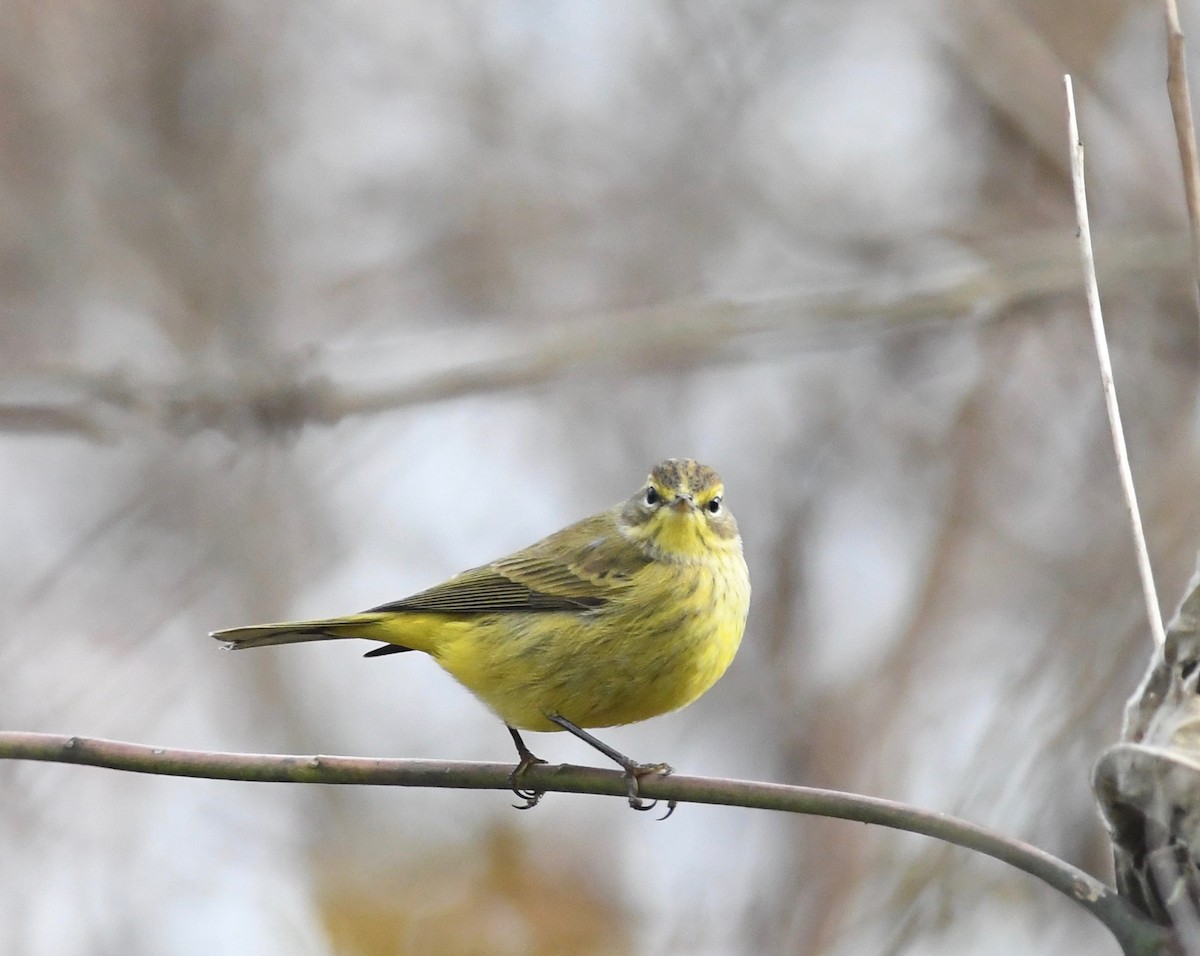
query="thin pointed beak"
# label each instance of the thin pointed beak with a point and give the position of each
(683, 502)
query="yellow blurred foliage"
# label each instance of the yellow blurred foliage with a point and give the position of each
(492, 899)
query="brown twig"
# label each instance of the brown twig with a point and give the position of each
(1185, 128)
(1134, 933)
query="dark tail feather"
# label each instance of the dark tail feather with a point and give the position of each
(294, 632)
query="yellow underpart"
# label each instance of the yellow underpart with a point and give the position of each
(627, 661)
(622, 663)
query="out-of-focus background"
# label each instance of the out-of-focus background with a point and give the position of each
(304, 307)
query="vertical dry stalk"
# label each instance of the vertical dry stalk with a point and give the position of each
(1185, 128)
(1106, 374)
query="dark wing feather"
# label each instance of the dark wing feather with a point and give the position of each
(577, 568)
(383, 649)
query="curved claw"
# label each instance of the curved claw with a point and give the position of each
(635, 772)
(531, 797)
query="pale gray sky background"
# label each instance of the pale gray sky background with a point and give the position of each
(827, 248)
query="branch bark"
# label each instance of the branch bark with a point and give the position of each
(1135, 934)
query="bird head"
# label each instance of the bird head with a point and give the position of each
(680, 512)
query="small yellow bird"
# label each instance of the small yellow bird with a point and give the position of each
(622, 616)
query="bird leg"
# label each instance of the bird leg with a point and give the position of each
(633, 770)
(531, 797)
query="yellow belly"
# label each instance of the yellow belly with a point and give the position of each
(624, 662)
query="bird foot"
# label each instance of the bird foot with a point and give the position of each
(633, 773)
(531, 797)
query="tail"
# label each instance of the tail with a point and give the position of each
(369, 626)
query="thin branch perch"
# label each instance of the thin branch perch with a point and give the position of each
(1133, 932)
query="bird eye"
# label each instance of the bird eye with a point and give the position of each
(714, 506)
(652, 496)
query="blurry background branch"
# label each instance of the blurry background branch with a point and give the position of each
(289, 392)
(1180, 94)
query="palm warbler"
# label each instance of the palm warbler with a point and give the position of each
(622, 616)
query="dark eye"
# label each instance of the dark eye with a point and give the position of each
(714, 506)
(652, 496)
